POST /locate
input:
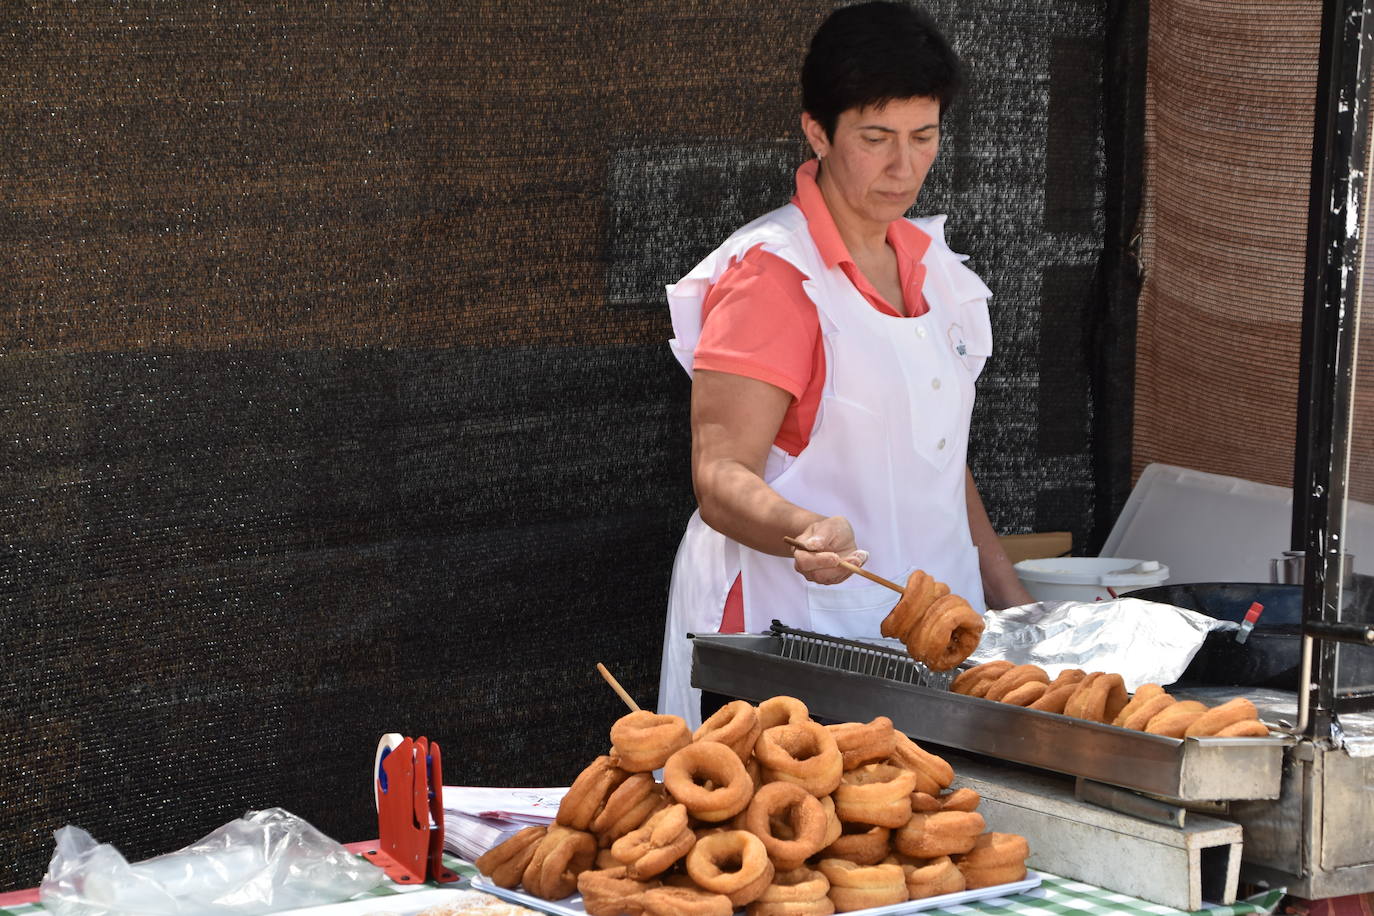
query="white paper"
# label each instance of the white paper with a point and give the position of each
(527, 805)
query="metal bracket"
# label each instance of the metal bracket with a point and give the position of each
(1130, 803)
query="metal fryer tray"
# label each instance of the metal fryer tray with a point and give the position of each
(848, 680)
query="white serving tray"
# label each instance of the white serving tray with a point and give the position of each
(572, 906)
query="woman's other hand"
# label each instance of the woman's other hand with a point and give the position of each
(831, 541)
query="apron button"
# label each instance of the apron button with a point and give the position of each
(935, 383)
(940, 444)
(920, 332)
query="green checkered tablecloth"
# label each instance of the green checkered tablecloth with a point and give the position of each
(1061, 897)
(1054, 897)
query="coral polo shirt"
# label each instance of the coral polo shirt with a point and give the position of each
(757, 321)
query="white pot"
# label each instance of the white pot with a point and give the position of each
(1087, 578)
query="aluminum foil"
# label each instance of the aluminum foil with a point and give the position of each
(1144, 641)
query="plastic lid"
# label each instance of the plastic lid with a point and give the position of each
(1103, 571)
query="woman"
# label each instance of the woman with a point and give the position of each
(833, 346)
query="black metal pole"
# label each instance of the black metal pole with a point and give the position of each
(1119, 275)
(1336, 222)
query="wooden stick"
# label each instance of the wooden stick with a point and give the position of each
(845, 564)
(615, 685)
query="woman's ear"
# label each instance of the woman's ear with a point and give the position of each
(815, 135)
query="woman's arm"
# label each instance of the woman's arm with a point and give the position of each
(1001, 587)
(734, 422)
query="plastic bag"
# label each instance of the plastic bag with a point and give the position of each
(263, 862)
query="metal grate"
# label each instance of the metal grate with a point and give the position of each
(858, 657)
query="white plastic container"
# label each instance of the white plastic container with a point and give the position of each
(1087, 578)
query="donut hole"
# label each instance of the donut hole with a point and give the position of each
(792, 822)
(782, 826)
(730, 862)
(800, 745)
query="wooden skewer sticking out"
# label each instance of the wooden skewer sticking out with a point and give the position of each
(845, 564)
(615, 685)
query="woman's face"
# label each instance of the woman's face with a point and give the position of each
(877, 161)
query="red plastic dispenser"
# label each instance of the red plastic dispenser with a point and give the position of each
(409, 785)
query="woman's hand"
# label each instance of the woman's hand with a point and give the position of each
(831, 540)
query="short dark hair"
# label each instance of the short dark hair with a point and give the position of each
(873, 53)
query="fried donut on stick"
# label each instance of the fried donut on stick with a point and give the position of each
(939, 629)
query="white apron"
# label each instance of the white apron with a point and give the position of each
(887, 452)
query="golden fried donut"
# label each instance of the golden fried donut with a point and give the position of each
(1174, 720)
(929, 836)
(684, 901)
(1100, 697)
(589, 792)
(920, 592)
(1143, 694)
(963, 799)
(789, 820)
(610, 892)
(924, 803)
(858, 887)
(997, 858)
(679, 878)
(645, 740)
(1056, 697)
(860, 844)
(966, 680)
(688, 771)
(1117, 697)
(559, 858)
(734, 863)
(735, 725)
(878, 794)
(1016, 677)
(958, 800)
(1218, 717)
(1026, 694)
(947, 634)
(702, 832)
(506, 862)
(833, 827)
(804, 753)
(863, 742)
(797, 892)
(782, 710)
(933, 774)
(1250, 728)
(653, 848)
(628, 806)
(755, 771)
(1136, 719)
(1068, 676)
(936, 877)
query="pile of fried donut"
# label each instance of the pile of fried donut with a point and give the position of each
(1102, 697)
(940, 630)
(762, 808)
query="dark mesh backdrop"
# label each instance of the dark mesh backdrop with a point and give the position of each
(334, 393)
